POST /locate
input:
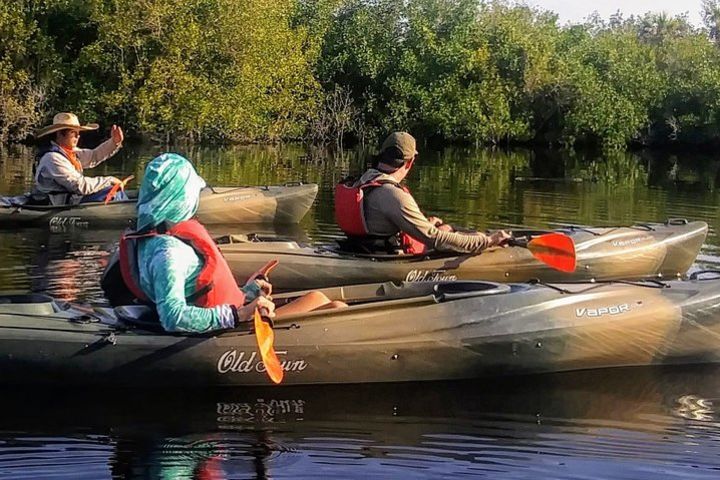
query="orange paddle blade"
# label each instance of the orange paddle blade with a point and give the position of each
(118, 186)
(113, 191)
(554, 249)
(265, 339)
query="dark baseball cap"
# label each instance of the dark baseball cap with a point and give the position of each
(402, 143)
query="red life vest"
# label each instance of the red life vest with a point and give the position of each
(215, 284)
(350, 212)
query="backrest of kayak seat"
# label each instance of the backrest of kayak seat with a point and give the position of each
(140, 316)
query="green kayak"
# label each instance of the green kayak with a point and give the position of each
(389, 333)
(665, 250)
(220, 205)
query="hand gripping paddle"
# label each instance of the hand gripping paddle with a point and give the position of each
(264, 332)
(118, 187)
(554, 249)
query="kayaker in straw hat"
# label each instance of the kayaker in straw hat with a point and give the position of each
(59, 171)
(173, 262)
(378, 213)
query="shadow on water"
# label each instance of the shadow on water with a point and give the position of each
(624, 423)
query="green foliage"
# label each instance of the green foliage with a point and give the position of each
(264, 70)
(494, 72)
(198, 69)
(20, 97)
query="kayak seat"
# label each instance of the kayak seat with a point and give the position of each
(139, 316)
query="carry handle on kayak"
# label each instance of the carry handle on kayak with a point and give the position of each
(556, 250)
(456, 290)
(696, 275)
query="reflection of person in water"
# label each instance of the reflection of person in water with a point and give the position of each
(203, 457)
(63, 266)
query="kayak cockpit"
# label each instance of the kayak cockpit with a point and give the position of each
(389, 294)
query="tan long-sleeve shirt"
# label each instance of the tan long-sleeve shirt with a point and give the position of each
(56, 174)
(390, 210)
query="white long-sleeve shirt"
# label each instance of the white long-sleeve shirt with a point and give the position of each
(56, 174)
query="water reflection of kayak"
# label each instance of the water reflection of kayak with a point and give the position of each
(271, 204)
(604, 253)
(390, 333)
(555, 422)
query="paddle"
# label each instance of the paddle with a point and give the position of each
(554, 249)
(117, 187)
(265, 339)
(264, 332)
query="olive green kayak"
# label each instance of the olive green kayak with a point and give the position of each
(389, 333)
(220, 205)
(665, 250)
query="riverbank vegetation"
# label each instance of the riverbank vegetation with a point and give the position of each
(328, 70)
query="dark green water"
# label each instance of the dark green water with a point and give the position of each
(634, 423)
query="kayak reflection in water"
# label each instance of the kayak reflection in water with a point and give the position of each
(172, 261)
(379, 214)
(59, 177)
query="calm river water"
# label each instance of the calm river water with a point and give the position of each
(629, 423)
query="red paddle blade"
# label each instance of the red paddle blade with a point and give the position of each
(265, 339)
(554, 249)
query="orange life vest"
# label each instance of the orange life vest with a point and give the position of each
(350, 212)
(215, 284)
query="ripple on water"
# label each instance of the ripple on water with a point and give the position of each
(55, 457)
(635, 424)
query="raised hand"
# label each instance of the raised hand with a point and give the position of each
(117, 135)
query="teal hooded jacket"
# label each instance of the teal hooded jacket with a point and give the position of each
(170, 193)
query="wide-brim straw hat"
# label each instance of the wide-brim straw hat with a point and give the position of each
(64, 121)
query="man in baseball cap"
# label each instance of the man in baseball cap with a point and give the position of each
(378, 207)
(59, 168)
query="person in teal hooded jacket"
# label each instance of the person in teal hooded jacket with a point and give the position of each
(168, 267)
